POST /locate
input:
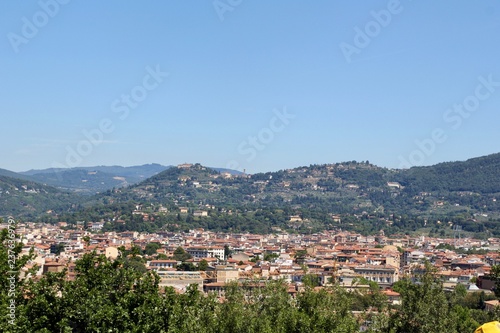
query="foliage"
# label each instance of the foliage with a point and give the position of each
(227, 252)
(25, 198)
(368, 298)
(11, 283)
(186, 267)
(91, 180)
(110, 296)
(260, 203)
(310, 280)
(181, 255)
(270, 256)
(495, 275)
(427, 308)
(59, 248)
(300, 254)
(202, 265)
(151, 248)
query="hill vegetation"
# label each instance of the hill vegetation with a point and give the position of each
(92, 180)
(29, 200)
(357, 196)
(95, 179)
(353, 195)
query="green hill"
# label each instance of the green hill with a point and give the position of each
(481, 175)
(11, 174)
(91, 180)
(365, 197)
(368, 198)
(27, 199)
(96, 179)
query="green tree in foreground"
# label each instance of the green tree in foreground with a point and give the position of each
(495, 274)
(11, 270)
(106, 295)
(369, 297)
(426, 308)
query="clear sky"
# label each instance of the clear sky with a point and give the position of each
(255, 85)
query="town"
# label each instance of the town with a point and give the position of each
(211, 260)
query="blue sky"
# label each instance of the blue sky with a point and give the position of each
(255, 85)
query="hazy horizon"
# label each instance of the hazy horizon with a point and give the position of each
(221, 167)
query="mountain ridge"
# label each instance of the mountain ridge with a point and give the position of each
(29, 199)
(315, 196)
(318, 193)
(94, 179)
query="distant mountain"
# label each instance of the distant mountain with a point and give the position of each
(367, 197)
(91, 180)
(27, 199)
(460, 191)
(351, 184)
(139, 171)
(96, 179)
(7, 173)
(334, 188)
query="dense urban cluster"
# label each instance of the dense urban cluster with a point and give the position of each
(77, 279)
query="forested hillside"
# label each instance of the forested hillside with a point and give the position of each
(368, 198)
(29, 200)
(353, 195)
(92, 180)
